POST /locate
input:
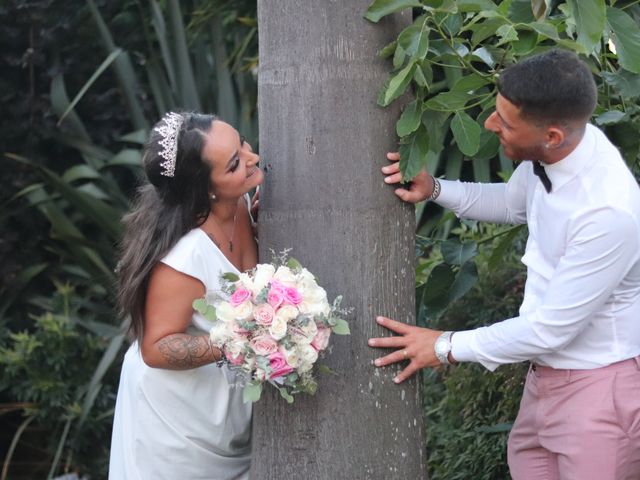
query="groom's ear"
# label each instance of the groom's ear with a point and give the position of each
(555, 137)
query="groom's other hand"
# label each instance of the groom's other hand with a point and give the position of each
(420, 187)
(412, 344)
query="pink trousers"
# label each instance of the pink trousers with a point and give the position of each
(578, 424)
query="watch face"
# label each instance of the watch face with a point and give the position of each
(442, 346)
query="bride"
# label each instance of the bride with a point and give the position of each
(178, 415)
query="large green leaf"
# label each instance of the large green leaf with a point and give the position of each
(413, 153)
(437, 287)
(475, 5)
(409, 120)
(103, 66)
(626, 83)
(186, 82)
(466, 278)
(60, 102)
(626, 38)
(415, 39)
(396, 85)
(466, 132)
(470, 83)
(123, 68)
(455, 252)
(589, 18)
(449, 101)
(382, 8)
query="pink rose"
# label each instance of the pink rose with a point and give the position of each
(277, 286)
(264, 314)
(263, 345)
(234, 359)
(238, 330)
(292, 296)
(241, 295)
(275, 298)
(278, 365)
(321, 340)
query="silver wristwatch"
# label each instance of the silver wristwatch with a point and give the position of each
(442, 347)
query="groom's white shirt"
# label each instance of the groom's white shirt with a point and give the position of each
(581, 306)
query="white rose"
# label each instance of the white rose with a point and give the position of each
(264, 274)
(306, 280)
(287, 312)
(305, 334)
(317, 294)
(291, 356)
(235, 348)
(244, 311)
(278, 328)
(224, 311)
(310, 308)
(246, 281)
(285, 275)
(220, 334)
(308, 357)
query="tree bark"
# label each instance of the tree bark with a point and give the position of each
(323, 140)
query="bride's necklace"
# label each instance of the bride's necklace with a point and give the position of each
(233, 228)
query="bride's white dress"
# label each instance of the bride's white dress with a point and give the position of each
(188, 424)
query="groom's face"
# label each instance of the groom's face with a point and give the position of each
(520, 139)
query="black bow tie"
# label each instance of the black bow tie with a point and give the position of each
(542, 175)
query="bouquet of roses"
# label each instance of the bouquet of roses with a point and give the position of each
(272, 323)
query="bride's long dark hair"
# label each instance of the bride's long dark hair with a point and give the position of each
(165, 209)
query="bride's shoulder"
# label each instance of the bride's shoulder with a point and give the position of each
(194, 241)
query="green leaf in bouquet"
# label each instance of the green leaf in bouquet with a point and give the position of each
(249, 325)
(285, 394)
(262, 296)
(263, 363)
(201, 306)
(341, 327)
(252, 392)
(294, 264)
(230, 277)
(291, 379)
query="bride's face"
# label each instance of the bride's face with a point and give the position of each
(234, 166)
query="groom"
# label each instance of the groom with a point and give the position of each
(579, 322)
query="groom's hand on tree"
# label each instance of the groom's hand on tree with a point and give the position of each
(420, 188)
(412, 344)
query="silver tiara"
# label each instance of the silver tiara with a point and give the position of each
(169, 133)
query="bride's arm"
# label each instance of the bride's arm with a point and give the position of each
(168, 311)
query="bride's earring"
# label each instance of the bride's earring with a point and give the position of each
(213, 196)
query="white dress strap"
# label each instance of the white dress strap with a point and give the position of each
(188, 257)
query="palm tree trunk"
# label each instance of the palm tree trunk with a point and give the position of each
(323, 140)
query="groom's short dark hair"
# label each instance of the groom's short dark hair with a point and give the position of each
(552, 87)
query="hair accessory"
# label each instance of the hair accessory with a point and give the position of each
(169, 133)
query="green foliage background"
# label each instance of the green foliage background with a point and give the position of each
(86, 79)
(444, 68)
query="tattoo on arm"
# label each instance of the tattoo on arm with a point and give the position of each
(183, 351)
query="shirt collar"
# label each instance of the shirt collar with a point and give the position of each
(561, 172)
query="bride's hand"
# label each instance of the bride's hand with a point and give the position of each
(421, 186)
(255, 204)
(413, 344)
